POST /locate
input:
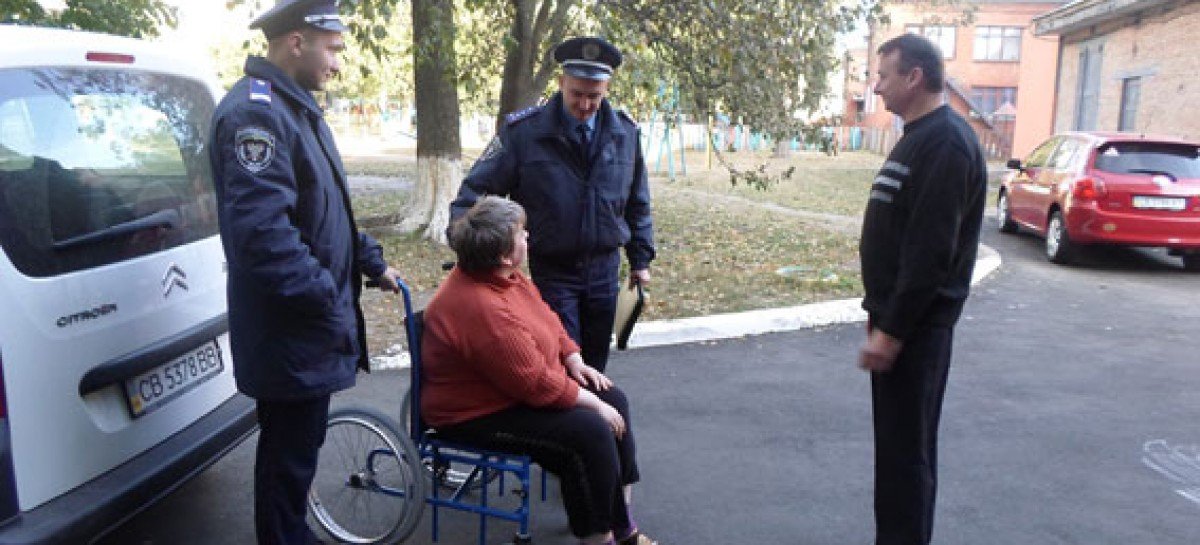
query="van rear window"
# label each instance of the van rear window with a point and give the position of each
(100, 166)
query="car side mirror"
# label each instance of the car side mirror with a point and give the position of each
(1015, 164)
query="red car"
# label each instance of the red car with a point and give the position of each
(1106, 188)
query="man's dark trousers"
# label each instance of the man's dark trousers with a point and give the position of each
(290, 436)
(907, 404)
(583, 292)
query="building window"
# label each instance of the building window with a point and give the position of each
(1131, 91)
(997, 43)
(1087, 95)
(990, 99)
(942, 36)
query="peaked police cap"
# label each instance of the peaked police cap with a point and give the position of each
(588, 58)
(289, 15)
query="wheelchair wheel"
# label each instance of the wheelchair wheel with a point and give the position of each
(452, 476)
(370, 484)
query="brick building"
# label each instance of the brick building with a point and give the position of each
(998, 72)
(1126, 65)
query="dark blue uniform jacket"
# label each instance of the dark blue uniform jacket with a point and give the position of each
(295, 256)
(572, 210)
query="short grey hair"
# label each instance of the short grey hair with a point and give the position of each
(484, 235)
(917, 51)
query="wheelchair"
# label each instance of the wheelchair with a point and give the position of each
(375, 476)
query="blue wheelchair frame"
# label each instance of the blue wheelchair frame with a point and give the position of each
(441, 454)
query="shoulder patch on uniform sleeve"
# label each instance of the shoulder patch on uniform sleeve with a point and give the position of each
(260, 91)
(254, 147)
(521, 114)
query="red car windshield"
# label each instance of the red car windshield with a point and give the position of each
(1174, 160)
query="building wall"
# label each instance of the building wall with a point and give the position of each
(1161, 49)
(854, 75)
(1031, 75)
(1035, 90)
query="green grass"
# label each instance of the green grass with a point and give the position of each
(402, 164)
(817, 183)
(378, 206)
(715, 256)
(715, 253)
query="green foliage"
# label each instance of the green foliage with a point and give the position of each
(377, 62)
(765, 63)
(134, 18)
(761, 60)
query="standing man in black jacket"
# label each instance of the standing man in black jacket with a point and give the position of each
(575, 164)
(920, 234)
(296, 259)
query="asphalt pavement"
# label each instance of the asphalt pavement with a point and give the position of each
(1070, 418)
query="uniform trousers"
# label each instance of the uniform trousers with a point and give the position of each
(576, 444)
(290, 436)
(907, 406)
(583, 292)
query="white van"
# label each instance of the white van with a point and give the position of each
(117, 380)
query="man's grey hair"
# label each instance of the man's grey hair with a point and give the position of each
(484, 235)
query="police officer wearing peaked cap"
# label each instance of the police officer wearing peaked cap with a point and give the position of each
(295, 258)
(575, 164)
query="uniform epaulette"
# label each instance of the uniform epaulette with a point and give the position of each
(625, 115)
(260, 91)
(521, 114)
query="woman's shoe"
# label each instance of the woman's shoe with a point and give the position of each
(637, 538)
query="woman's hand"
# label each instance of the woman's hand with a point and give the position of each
(610, 415)
(586, 375)
(614, 419)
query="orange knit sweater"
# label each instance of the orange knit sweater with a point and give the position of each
(491, 343)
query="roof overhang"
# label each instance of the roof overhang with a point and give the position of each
(1085, 13)
(955, 88)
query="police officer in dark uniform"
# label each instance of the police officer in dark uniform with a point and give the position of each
(296, 260)
(576, 166)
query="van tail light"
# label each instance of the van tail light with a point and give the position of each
(1089, 189)
(116, 58)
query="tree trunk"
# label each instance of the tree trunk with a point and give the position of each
(439, 148)
(528, 64)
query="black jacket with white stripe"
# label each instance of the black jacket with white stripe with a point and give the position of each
(921, 228)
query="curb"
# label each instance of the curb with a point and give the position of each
(740, 324)
(772, 320)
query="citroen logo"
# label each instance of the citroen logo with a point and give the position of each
(172, 278)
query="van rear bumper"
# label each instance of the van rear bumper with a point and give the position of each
(86, 513)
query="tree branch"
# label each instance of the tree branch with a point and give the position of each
(558, 25)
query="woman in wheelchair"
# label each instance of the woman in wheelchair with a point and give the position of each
(500, 372)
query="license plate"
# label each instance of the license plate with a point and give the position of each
(156, 387)
(1159, 203)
